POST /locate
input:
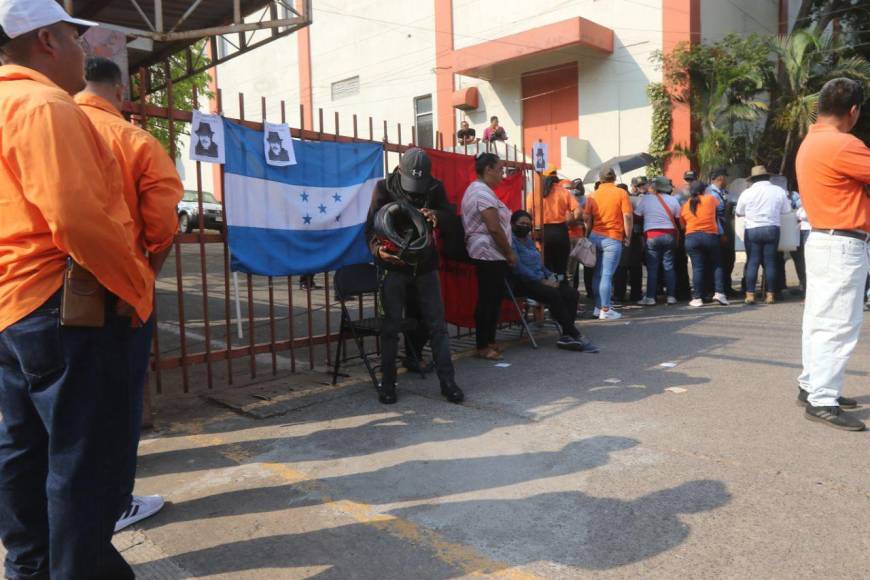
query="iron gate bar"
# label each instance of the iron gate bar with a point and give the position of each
(291, 318)
(202, 263)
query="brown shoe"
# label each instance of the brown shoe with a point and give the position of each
(769, 298)
(750, 299)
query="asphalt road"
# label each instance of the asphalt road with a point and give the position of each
(560, 465)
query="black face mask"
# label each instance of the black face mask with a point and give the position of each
(522, 231)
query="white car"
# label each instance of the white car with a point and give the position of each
(188, 212)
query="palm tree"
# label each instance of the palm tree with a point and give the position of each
(808, 59)
(724, 82)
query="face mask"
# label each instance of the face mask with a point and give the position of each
(522, 231)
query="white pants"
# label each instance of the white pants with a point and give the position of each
(834, 312)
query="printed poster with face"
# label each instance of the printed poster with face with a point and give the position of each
(539, 156)
(207, 138)
(278, 145)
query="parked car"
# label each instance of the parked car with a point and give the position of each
(188, 212)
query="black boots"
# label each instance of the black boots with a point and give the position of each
(452, 392)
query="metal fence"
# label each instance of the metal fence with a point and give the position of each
(205, 337)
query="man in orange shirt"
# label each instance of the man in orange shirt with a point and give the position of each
(609, 220)
(555, 209)
(152, 190)
(833, 171)
(65, 411)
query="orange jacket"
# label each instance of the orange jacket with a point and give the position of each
(60, 196)
(556, 206)
(152, 188)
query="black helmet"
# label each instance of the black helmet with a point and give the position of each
(404, 230)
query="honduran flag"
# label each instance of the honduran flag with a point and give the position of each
(306, 218)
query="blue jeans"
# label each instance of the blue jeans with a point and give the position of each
(140, 356)
(706, 254)
(64, 434)
(660, 252)
(762, 246)
(609, 253)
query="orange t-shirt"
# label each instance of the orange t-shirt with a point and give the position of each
(833, 169)
(608, 205)
(60, 196)
(556, 206)
(152, 187)
(704, 221)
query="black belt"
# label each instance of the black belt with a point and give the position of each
(864, 237)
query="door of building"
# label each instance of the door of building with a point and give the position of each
(551, 107)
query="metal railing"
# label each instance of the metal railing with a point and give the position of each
(275, 327)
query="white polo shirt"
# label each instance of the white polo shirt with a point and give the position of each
(763, 205)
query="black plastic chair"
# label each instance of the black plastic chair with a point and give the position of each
(523, 314)
(353, 282)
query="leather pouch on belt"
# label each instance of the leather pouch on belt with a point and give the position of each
(84, 298)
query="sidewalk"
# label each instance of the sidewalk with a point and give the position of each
(560, 466)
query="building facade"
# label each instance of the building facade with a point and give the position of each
(571, 74)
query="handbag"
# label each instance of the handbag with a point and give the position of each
(670, 215)
(84, 299)
(585, 253)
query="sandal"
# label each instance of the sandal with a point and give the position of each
(499, 348)
(489, 354)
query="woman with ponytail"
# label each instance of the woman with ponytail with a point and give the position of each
(556, 209)
(702, 242)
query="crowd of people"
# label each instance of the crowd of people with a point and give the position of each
(651, 225)
(89, 215)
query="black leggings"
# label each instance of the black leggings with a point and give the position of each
(490, 293)
(557, 248)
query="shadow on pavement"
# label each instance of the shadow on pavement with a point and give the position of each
(598, 534)
(409, 481)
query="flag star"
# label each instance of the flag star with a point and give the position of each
(304, 196)
(337, 198)
(322, 208)
(338, 218)
(307, 219)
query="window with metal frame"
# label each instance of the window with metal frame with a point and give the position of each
(424, 121)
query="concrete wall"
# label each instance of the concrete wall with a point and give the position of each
(721, 17)
(395, 62)
(270, 72)
(615, 114)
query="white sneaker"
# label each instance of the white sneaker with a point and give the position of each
(721, 299)
(142, 507)
(672, 300)
(596, 312)
(696, 303)
(646, 302)
(609, 315)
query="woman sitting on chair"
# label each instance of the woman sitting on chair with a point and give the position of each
(532, 280)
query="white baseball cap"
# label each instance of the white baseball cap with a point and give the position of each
(18, 17)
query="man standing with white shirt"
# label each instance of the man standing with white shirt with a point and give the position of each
(762, 205)
(833, 171)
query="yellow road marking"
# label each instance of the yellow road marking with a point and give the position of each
(464, 558)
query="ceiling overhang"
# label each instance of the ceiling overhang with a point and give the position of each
(477, 60)
(158, 29)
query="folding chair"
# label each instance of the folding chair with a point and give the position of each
(523, 314)
(353, 282)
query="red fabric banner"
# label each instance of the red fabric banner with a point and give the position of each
(459, 279)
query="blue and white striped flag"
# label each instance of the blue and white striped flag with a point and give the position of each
(306, 218)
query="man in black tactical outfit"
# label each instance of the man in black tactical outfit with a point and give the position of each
(412, 182)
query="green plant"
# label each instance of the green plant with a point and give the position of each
(186, 95)
(724, 84)
(808, 58)
(660, 132)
